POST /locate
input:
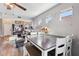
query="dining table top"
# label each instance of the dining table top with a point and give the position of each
(45, 41)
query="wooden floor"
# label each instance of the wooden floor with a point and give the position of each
(6, 49)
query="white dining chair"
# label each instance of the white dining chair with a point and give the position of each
(68, 45)
(33, 34)
(60, 47)
(26, 38)
(41, 33)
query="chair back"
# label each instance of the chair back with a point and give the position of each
(60, 46)
(69, 39)
(41, 33)
(33, 34)
(68, 45)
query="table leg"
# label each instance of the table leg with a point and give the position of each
(44, 53)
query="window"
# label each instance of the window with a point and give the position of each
(39, 22)
(48, 19)
(66, 13)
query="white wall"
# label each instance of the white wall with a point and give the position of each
(0, 26)
(7, 26)
(7, 29)
(64, 27)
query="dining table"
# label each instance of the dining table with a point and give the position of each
(44, 43)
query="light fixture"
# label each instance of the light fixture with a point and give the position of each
(9, 5)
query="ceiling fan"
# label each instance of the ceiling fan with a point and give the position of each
(10, 5)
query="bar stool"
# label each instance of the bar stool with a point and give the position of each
(60, 47)
(68, 45)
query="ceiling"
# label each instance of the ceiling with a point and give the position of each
(33, 9)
